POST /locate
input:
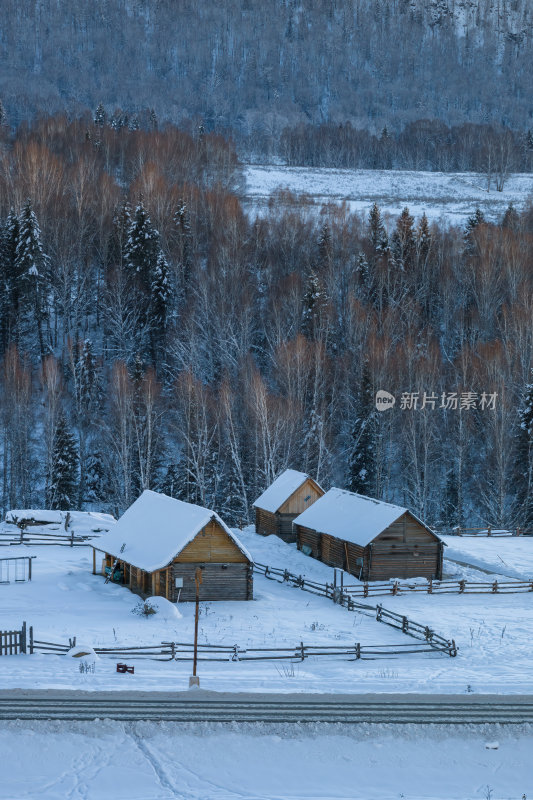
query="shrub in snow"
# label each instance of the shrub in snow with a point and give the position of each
(144, 608)
(156, 605)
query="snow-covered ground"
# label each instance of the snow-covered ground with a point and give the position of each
(494, 632)
(450, 197)
(106, 760)
(507, 555)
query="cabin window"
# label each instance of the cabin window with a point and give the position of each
(306, 499)
(306, 550)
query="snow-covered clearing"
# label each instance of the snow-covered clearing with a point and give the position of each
(505, 555)
(494, 632)
(449, 197)
(107, 760)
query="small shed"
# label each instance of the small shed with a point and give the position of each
(290, 494)
(159, 542)
(368, 538)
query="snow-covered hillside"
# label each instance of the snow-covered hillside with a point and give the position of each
(448, 197)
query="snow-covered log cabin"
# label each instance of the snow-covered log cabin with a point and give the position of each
(159, 542)
(368, 538)
(290, 494)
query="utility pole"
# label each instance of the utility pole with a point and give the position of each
(194, 680)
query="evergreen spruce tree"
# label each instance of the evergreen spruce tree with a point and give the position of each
(403, 241)
(324, 248)
(96, 483)
(133, 124)
(314, 306)
(182, 221)
(3, 115)
(172, 482)
(64, 468)
(142, 247)
(363, 270)
(524, 460)
(423, 240)
(451, 511)
(511, 219)
(362, 454)
(378, 234)
(116, 249)
(153, 119)
(32, 270)
(473, 222)
(100, 117)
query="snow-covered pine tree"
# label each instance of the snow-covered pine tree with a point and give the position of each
(32, 271)
(96, 484)
(423, 240)
(153, 119)
(474, 221)
(3, 115)
(362, 450)
(315, 303)
(524, 460)
(116, 248)
(63, 487)
(142, 246)
(378, 235)
(100, 116)
(511, 219)
(403, 243)
(451, 511)
(182, 221)
(324, 248)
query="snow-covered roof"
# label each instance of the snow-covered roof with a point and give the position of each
(278, 492)
(352, 517)
(155, 528)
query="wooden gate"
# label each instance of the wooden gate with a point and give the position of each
(12, 643)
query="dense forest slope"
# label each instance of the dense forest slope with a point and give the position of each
(257, 67)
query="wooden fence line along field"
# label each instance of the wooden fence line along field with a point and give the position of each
(184, 651)
(341, 597)
(439, 587)
(488, 530)
(25, 537)
(14, 642)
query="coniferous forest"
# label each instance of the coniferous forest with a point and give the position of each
(155, 336)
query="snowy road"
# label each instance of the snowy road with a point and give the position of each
(202, 706)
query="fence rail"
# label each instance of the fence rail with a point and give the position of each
(438, 587)
(342, 597)
(487, 530)
(184, 651)
(33, 538)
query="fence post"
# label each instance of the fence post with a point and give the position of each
(302, 650)
(31, 639)
(430, 586)
(358, 650)
(489, 530)
(23, 638)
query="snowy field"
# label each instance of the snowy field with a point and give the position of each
(494, 632)
(107, 760)
(447, 197)
(506, 555)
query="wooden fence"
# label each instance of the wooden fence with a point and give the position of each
(438, 587)
(33, 538)
(13, 643)
(488, 530)
(17, 569)
(339, 595)
(184, 651)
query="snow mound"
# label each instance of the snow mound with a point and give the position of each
(164, 607)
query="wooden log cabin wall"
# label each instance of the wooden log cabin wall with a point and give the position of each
(290, 494)
(405, 548)
(227, 569)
